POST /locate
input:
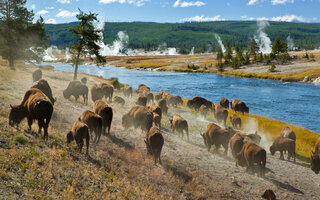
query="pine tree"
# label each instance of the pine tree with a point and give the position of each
(21, 38)
(254, 48)
(228, 54)
(276, 46)
(87, 38)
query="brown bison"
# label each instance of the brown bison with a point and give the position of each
(154, 142)
(157, 97)
(94, 122)
(221, 114)
(180, 125)
(203, 110)
(239, 106)
(105, 111)
(157, 120)
(76, 89)
(139, 117)
(250, 154)
(149, 97)
(96, 93)
(284, 144)
(116, 85)
(287, 132)
(127, 90)
(37, 75)
(217, 136)
(196, 103)
(156, 109)
(79, 132)
(84, 80)
(174, 100)
(315, 157)
(142, 100)
(224, 102)
(44, 86)
(253, 137)
(236, 143)
(235, 121)
(119, 100)
(143, 89)
(107, 91)
(35, 106)
(163, 105)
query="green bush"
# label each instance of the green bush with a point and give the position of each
(272, 68)
(20, 139)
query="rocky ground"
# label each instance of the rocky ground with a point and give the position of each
(118, 167)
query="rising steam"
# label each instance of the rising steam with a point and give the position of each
(220, 42)
(290, 43)
(262, 38)
(192, 51)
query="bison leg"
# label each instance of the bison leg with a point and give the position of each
(225, 148)
(30, 121)
(281, 155)
(40, 125)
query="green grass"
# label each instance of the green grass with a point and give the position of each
(20, 139)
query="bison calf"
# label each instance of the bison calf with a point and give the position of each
(154, 142)
(79, 132)
(235, 121)
(180, 125)
(221, 114)
(250, 154)
(94, 122)
(105, 111)
(284, 144)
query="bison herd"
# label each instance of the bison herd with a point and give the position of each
(37, 104)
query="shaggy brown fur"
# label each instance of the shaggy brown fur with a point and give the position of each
(35, 106)
(105, 111)
(79, 132)
(143, 89)
(127, 90)
(269, 195)
(239, 106)
(37, 75)
(157, 120)
(236, 143)
(94, 122)
(250, 154)
(180, 125)
(107, 91)
(287, 132)
(221, 114)
(235, 121)
(196, 103)
(284, 144)
(142, 100)
(149, 97)
(203, 110)
(139, 117)
(174, 100)
(154, 142)
(44, 86)
(224, 102)
(156, 109)
(163, 105)
(76, 89)
(119, 100)
(96, 93)
(217, 136)
(315, 157)
(157, 97)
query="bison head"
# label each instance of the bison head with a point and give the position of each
(16, 115)
(66, 94)
(315, 162)
(204, 139)
(272, 150)
(171, 122)
(70, 137)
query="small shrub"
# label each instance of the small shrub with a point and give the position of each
(272, 68)
(20, 139)
(312, 56)
(129, 61)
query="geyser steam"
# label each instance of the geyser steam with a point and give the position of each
(262, 38)
(220, 42)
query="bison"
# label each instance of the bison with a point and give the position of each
(79, 132)
(142, 100)
(221, 114)
(44, 86)
(105, 112)
(37, 75)
(119, 100)
(94, 122)
(203, 110)
(96, 92)
(35, 106)
(235, 121)
(76, 89)
(287, 132)
(224, 102)
(143, 89)
(217, 136)
(84, 80)
(163, 105)
(179, 124)
(236, 143)
(284, 144)
(139, 117)
(250, 154)
(239, 106)
(107, 91)
(154, 142)
(157, 120)
(127, 90)
(116, 85)
(315, 157)
(157, 97)
(149, 97)
(174, 100)
(156, 109)
(196, 103)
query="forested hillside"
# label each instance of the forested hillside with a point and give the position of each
(184, 36)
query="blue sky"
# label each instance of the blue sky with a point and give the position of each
(63, 11)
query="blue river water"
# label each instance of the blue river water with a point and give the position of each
(291, 102)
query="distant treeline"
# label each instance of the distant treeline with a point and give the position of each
(184, 36)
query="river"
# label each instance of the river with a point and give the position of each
(292, 102)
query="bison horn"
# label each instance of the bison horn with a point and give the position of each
(201, 134)
(11, 106)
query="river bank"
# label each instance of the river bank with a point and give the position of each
(32, 168)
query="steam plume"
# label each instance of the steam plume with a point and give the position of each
(262, 38)
(220, 42)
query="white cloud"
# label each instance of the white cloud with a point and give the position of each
(65, 13)
(63, 1)
(51, 21)
(42, 12)
(50, 8)
(203, 19)
(252, 2)
(137, 3)
(276, 2)
(33, 6)
(285, 18)
(184, 4)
